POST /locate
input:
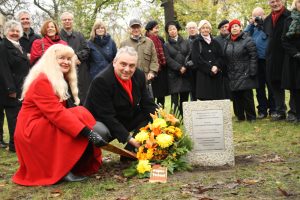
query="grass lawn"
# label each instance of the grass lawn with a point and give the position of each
(267, 156)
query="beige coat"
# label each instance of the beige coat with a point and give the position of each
(147, 58)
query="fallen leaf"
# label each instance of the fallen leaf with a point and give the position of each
(123, 198)
(56, 193)
(285, 193)
(273, 160)
(205, 198)
(250, 181)
(231, 185)
(2, 184)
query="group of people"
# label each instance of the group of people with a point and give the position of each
(64, 97)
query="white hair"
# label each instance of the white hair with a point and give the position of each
(191, 24)
(12, 24)
(66, 13)
(49, 66)
(128, 50)
(21, 12)
(204, 21)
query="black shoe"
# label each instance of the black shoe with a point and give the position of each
(291, 118)
(70, 177)
(261, 116)
(3, 144)
(278, 117)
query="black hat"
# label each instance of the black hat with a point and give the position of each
(222, 23)
(174, 23)
(150, 25)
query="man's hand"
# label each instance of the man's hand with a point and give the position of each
(134, 143)
(182, 70)
(214, 69)
(28, 56)
(13, 95)
(150, 76)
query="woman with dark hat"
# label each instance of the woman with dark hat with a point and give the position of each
(179, 77)
(291, 44)
(241, 56)
(159, 83)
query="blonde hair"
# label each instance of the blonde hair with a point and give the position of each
(202, 22)
(49, 66)
(293, 7)
(97, 24)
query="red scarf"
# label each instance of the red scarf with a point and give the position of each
(234, 37)
(276, 15)
(159, 50)
(127, 86)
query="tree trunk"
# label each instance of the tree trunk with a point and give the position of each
(169, 10)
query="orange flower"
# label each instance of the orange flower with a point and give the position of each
(156, 131)
(173, 120)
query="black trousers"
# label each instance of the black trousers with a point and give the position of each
(264, 103)
(243, 103)
(296, 94)
(11, 116)
(1, 122)
(279, 97)
(177, 99)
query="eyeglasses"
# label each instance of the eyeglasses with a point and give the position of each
(67, 20)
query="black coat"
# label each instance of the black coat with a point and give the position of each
(241, 62)
(110, 104)
(274, 51)
(176, 52)
(79, 45)
(291, 67)
(209, 86)
(14, 67)
(26, 42)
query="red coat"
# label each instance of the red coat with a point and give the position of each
(46, 138)
(37, 47)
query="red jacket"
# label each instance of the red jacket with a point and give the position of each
(37, 49)
(46, 138)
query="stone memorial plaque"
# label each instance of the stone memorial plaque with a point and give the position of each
(158, 174)
(209, 124)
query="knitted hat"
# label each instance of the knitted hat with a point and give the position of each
(234, 21)
(174, 23)
(222, 23)
(150, 25)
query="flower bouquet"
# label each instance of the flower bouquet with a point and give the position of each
(162, 142)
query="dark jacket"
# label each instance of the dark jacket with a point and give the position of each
(221, 40)
(209, 86)
(26, 41)
(274, 51)
(14, 67)
(97, 61)
(241, 62)
(176, 52)
(110, 104)
(79, 45)
(291, 67)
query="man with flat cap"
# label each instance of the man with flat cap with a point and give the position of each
(223, 30)
(147, 57)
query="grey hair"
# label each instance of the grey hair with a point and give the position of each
(12, 24)
(66, 13)
(21, 12)
(128, 50)
(191, 24)
(293, 7)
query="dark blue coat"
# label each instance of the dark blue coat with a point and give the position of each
(97, 62)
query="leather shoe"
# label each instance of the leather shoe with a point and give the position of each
(70, 177)
(261, 116)
(3, 144)
(278, 117)
(291, 118)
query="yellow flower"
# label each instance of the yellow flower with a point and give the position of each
(159, 122)
(178, 132)
(164, 140)
(142, 136)
(143, 166)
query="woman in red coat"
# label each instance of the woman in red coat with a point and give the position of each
(50, 33)
(52, 134)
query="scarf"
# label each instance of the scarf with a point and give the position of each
(16, 44)
(234, 37)
(276, 15)
(159, 50)
(127, 86)
(294, 28)
(207, 39)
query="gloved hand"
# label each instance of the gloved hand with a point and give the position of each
(297, 55)
(93, 137)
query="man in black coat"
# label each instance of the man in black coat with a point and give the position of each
(28, 36)
(273, 27)
(118, 97)
(77, 41)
